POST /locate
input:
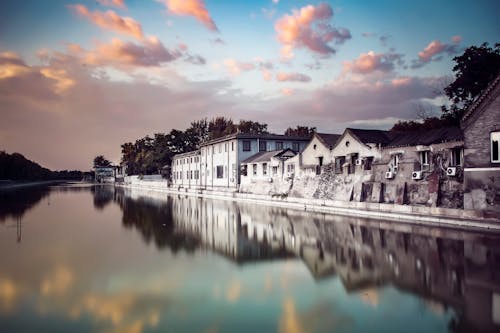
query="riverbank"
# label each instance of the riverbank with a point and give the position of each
(15, 185)
(420, 215)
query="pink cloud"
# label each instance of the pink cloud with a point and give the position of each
(112, 3)
(267, 75)
(151, 52)
(235, 67)
(371, 62)
(309, 28)
(297, 77)
(195, 8)
(111, 21)
(287, 91)
(434, 49)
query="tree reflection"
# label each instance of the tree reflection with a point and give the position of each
(15, 203)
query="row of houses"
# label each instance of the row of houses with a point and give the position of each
(447, 167)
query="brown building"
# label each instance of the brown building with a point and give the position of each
(481, 128)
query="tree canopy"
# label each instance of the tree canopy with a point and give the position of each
(101, 161)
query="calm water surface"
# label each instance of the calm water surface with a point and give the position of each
(98, 259)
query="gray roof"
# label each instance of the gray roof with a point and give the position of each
(426, 137)
(265, 156)
(328, 140)
(371, 136)
(256, 136)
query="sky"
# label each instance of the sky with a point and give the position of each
(80, 78)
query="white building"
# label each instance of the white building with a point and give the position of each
(218, 162)
(265, 166)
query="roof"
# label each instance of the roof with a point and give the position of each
(371, 136)
(265, 156)
(188, 153)
(482, 98)
(426, 137)
(328, 140)
(256, 136)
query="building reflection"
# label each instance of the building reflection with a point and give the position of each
(449, 268)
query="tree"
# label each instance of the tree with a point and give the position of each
(474, 70)
(304, 131)
(220, 126)
(252, 127)
(101, 161)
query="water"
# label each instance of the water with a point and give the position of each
(96, 259)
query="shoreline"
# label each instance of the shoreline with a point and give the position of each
(428, 216)
(15, 185)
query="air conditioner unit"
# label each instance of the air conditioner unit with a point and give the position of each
(389, 175)
(270, 180)
(417, 175)
(359, 161)
(451, 171)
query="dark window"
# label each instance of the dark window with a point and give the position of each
(254, 169)
(244, 170)
(279, 145)
(295, 146)
(275, 170)
(246, 145)
(367, 163)
(262, 145)
(339, 162)
(456, 157)
(495, 147)
(264, 169)
(220, 171)
(232, 146)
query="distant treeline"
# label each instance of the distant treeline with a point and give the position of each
(149, 154)
(17, 167)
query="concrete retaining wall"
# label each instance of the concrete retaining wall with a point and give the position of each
(458, 218)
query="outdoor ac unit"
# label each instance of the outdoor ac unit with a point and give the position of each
(389, 175)
(359, 161)
(451, 171)
(417, 175)
(270, 180)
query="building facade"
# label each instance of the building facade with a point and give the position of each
(481, 130)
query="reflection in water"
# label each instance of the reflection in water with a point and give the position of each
(448, 268)
(105, 259)
(15, 203)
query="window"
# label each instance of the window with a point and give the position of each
(262, 145)
(456, 157)
(232, 145)
(220, 171)
(495, 147)
(295, 146)
(352, 165)
(234, 169)
(315, 146)
(246, 145)
(225, 147)
(279, 145)
(220, 148)
(254, 169)
(264, 169)
(368, 161)
(275, 170)
(290, 168)
(339, 163)
(244, 170)
(424, 160)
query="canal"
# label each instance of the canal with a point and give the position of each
(82, 258)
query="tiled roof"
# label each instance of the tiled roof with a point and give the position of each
(265, 156)
(328, 139)
(425, 137)
(371, 136)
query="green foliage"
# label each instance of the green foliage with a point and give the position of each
(304, 131)
(16, 167)
(101, 161)
(474, 70)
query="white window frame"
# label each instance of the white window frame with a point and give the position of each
(424, 157)
(495, 136)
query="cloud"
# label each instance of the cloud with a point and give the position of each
(195, 8)
(111, 21)
(287, 91)
(309, 28)
(434, 51)
(371, 62)
(195, 59)
(112, 3)
(150, 52)
(218, 41)
(297, 77)
(235, 67)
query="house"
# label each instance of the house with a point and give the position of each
(104, 174)
(219, 159)
(481, 130)
(316, 154)
(185, 169)
(356, 149)
(422, 167)
(264, 167)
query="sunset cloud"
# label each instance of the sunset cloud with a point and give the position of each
(309, 28)
(195, 8)
(235, 67)
(434, 50)
(371, 62)
(112, 3)
(297, 77)
(150, 52)
(109, 20)
(61, 77)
